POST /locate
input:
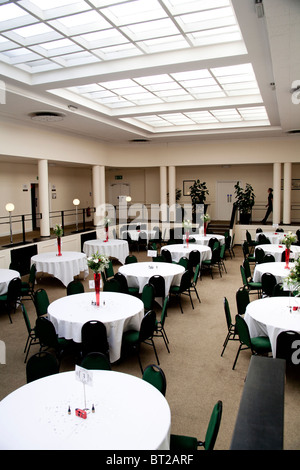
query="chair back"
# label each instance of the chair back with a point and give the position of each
(26, 318)
(279, 291)
(184, 261)
(159, 285)
(14, 290)
(167, 255)
(242, 300)
(243, 275)
(213, 426)
(247, 269)
(41, 302)
(154, 375)
(112, 285)
(268, 282)
(194, 258)
(268, 258)
(287, 344)
(122, 281)
(147, 326)
(227, 313)
(94, 338)
(41, 365)
(32, 275)
(263, 240)
(245, 248)
(185, 281)
(259, 255)
(243, 331)
(215, 255)
(75, 287)
(249, 237)
(109, 271)
(96, 361)
(212, 242)
(148, 295)
(196, 274)
(164, 311)
(159, 258)
(131, 259)
(46, 333)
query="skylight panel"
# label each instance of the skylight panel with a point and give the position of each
(134, 12)
(169, 43)
(191, 75)
(11, 11)
(202, 117)
(178, 7)
(227, 115)
(154, 79)
(206, 20)
(33, 30)
(150, 30)
(118, 52)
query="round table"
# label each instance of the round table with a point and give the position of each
(277, 269)
(119, 313)
(182, 250)
(277, 250)
(64, 267)
(138, 274)
(271, 315)
(129, 414)
(204, 239)
(6, 275)
(274, 237)
(113, 247)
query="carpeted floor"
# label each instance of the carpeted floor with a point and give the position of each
(197, 376)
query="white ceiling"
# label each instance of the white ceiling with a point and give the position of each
(154, 70)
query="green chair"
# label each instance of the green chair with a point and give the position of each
(48, 338)
(252, 243)
(195, 280)
(159, 259)
(94, 338)
(231, 330)
(242, 300)
(213, 262)
(95, 361)
(41, 364)
(27, 288)
(148, 296)
(156, 377)
(75, 287)
(132, 339)
(263, 240)
(125, 289)
(160, 324)
(184, 261)
(259, 345)
(109, 271)
(12, 298)
(246, 252)
(268, 282)
(41, 302)
(131, 259)
(184, 288)
(112, 285)
(253, 287)
(159, 285)
(32, 338)
(222, 257)
(183, 444)
(268, 258)
(259, 255)
(167, 255)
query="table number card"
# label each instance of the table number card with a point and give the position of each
(92, 284)
(84, 375)
(152, 253)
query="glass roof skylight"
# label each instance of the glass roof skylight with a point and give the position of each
(39, 36)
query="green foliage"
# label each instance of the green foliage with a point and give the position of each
(245, 198)
(198, 192)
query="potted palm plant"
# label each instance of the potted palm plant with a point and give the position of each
(245, 199)
(198, 192)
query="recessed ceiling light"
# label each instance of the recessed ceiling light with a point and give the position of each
(47, 116)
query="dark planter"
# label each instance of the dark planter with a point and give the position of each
(245, 219)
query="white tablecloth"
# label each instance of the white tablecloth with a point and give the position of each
(129, 414)
(64, 267)
(271, 315)
(113, 247)
(204, 239)
(6, 275)
(277, 250)
(138, 274)
(278, 269)
(274, 237)
(119, 313)
(181, 250)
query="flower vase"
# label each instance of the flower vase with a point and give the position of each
(106, 230)
(187, 238)
(287, 258)
(97, 288)
(59, 246)
(205, 227)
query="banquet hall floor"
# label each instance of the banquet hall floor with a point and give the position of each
(197, 376)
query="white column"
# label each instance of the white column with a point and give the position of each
(97, 193)
(276, 193)
(163, 193)
(172, 192)
(287, 187)
(44, 198)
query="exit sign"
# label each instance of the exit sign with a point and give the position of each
(118, 177)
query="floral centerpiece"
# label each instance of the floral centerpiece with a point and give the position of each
(97, 263)
(58, 231)
(287, 241)
(206, 219)
(292, 281)
(187, 224)
(107, 222)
